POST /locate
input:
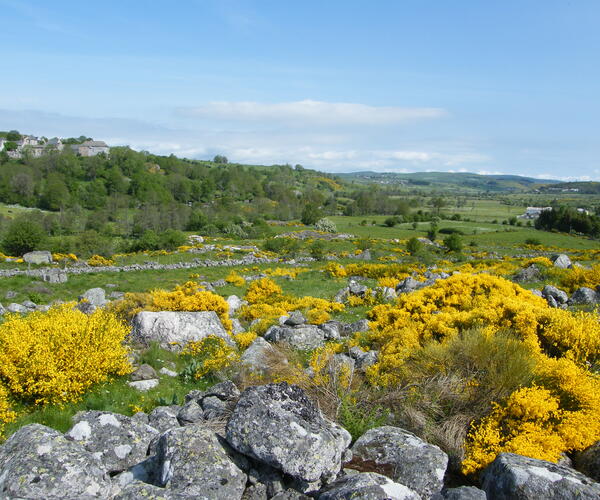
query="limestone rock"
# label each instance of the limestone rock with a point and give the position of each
(191, 461)
(278, 425)
(559, 296)
(531, 273)
(512, 476)
(174, 329)
(256, 356)
(144, 385)
(117, 440)
(234, 304)
(16, 308)
(410, 461)
(296, 318)
(164, 418)
(460, 493)
(39, 462)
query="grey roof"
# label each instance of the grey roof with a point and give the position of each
(97, 144)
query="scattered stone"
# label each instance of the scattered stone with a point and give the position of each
(332, 330)
(86, 307)
(364, 255)
(11, 294)
(118, 441)
(406, 458)
(584, 296)
(167, 372)
(387, 293)
(278, 425)
(367, 486)
(561, 261)
(29, 304)
(16, 308)
(342, 295)
(357, 289)
(362, 325)
(512, 476)
(407, 285)
(290, 495)
(559, 296)
(234, 304)
(143, 372)
(531, 273)
(191, 461)
(363, 359)
(116, 295)
(2, 310)
(144, 385)
(213, 407)
(174, 329)
(39, 462)
(236, 326)
(227, 391)
(296, 318)
(38, 257)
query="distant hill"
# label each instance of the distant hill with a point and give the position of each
(588, 187)
(462, 181)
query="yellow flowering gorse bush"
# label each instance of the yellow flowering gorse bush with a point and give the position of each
(54, 356)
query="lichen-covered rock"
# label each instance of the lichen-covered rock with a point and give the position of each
(94, 296)
(190, 413)
(144, 385)
(560, 296)
(256, 357)
(530, 273)
(305, 337)
(366, 486)
(38, 257)
(362, 325)
(404, 457)
(234, 303)
(461, 493)
(164, 418)
(174, 329)
(117, 440)
(296, 318)
(332, 330)
(191, 461)
(39, 462)
(584, 296)
(512, 476)
(588, 461)
(407, 285)
(278, 425)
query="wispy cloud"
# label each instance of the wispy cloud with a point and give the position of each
(311, 112)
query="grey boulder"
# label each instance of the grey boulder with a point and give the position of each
(460, 493)
(118, 441)
(561, 261)
(94, 296)
(174, 329)
(517, 477)
(278, 425)
(559, 296)
(256, 357)
(304, 337)
(584, 296)
(164, 418)
(192, 461)
(588, 461)
(531, 273)
(143, 372)
(367, 486)
(16, 308)
(38, 257)
(39, 462)
(410, 461)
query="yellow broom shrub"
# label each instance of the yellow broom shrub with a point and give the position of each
(6, 414)
(54, 356)
(210, 355)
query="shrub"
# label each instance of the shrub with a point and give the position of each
(326, 225)
(98, 261)
(7, 415)
(54, 356)
(450, 230)
(207, 356)
(22, 236)
(414, 246)
(453, 242)
(317, 250)
(235, 279)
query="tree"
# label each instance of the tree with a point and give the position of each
(220, 159)
(13, 135)
(310, 214)
(22, 236)
(326, 225)
(10, 146)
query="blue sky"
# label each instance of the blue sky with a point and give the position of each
(407, 85)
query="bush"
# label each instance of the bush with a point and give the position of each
(326, 225)
(66, 350)
(453, 243)
(317, 250)
(171, 239)
(7, 415)
(451, 230)
(207, 356)
(414, 246)
(533, 241)
(22, 236)
(392, 221)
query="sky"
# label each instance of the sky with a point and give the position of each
(507, 87)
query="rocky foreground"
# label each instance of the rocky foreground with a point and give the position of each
(269, 442)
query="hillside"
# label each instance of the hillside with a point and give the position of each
(462, 181)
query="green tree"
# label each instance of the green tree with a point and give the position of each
(453, 243)
(310, 214)
(414, 246)
(23, 235)
(13, 135)
(220, 159)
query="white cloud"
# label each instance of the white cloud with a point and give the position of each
(311, 112)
